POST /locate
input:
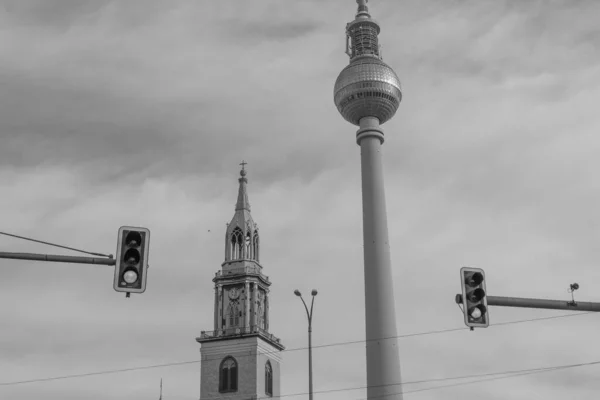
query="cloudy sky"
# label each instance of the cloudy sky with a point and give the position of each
(138, 112)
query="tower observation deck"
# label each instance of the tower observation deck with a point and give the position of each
(367, 87)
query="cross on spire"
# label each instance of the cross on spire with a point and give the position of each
(243, 164)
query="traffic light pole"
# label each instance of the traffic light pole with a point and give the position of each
(131, 261)
(538, 303)
(58, 258)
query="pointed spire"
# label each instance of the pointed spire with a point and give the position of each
(242, 201)
(160, 398)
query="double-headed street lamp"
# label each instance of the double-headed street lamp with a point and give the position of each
(309, 315)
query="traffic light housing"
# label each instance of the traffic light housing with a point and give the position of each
(474, 297)
(132, 259)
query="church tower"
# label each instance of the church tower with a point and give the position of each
(240, 359)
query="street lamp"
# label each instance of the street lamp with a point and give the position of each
(309, 315)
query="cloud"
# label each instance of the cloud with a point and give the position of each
(59, 14)
(139, 112)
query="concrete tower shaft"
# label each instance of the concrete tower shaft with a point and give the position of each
(367, 93)
(383, 361)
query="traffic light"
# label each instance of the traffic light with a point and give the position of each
(474, 297)
(132, 259)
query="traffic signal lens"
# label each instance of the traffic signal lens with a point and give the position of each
(133, 239)
(474, 279)
(132, 256)
(130, 276)
(477, 311)
(476, 295)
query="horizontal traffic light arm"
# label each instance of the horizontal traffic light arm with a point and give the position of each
(537, 303)
(57, 258)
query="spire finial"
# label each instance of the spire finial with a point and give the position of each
(242, 202)
(160, 398)
(243, 171)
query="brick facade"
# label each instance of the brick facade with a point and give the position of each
(251, 354)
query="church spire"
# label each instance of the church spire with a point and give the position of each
(242, 238)
(242, 201)
(241, 312)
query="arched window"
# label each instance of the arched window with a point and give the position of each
(233, 314)
(268, 379)
(261, 315)
(236, 244)
(230, 314)
(255, 245)
(247, 253)
(228, 375)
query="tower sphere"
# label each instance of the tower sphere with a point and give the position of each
(367, 87)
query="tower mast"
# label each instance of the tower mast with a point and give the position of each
(367, 93)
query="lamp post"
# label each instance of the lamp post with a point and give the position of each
(309, 315)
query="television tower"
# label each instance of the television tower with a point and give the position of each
(367, 93)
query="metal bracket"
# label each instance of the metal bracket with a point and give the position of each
(573, 287)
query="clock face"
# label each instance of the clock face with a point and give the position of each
(234, 293)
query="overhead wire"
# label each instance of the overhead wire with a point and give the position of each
(55, 245)
(267, 353)
(113, 371)
(420, 334)
(510, 374)
(487, 377)
(458, 384)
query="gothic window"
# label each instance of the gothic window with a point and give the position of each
(228, 375)
(247, 247)
(233, 314)
(261, 315)
(236, 244)
(255, 245)
(268, 379)
(230, 312)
